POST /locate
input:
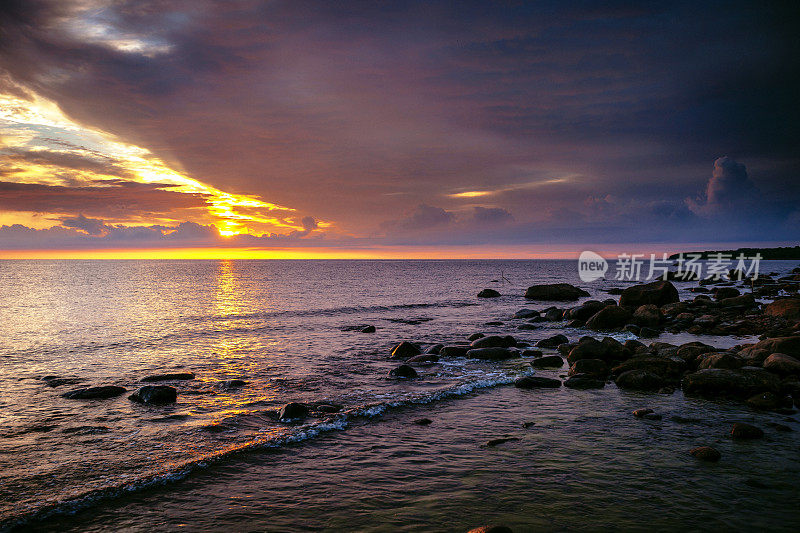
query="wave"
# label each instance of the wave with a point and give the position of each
(290, 435)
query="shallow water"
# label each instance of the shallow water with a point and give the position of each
(289, 329)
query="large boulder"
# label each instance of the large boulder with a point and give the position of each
(742, 383)
(720, 360)
(155, 394)
(610, 317)
(641, 380)
(647, 315)
(782, 364)
(557, 292)
(583, 382)
(788, 308)
(94, 393)
(657, 293)
(666, 367)
(552, 342)
(787, 345)
(596, 368)
(586, 310)
(494, 341)
(404, 350)
(492, 354)
(550, 361)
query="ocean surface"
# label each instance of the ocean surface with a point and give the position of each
(218, 460)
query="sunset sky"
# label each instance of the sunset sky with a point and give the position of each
(394, 129)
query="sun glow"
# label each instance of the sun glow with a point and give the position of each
(37, 126)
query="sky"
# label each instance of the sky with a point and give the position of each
(396, 129)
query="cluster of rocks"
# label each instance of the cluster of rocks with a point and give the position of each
(651, 308)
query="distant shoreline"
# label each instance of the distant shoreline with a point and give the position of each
(785, 252)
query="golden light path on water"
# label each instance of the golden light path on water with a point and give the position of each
(37, 126)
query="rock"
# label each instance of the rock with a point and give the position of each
(293, 411)
(586, 310)
(423, 358)
(554, 314)
(652, 416)
(453, 351)
(632, 328)
(584, 382)
(492, 354)
(94, 393)
(404, 350)
(527, 326)
(786, 345)
(640, 380)
(434, 348)
(536, 382)
(721, 293)
(741, 383)
(706, 453)
(765, 401)
(526, 313)
(647, 316)
(155, 394)
(745, 300)
(559, 292)
(488, 293)
(475, 336)
(552, 342)
(665, 367)
(403, 372)
(634, 346)
(550, 361)
(176, 376)
(368, 329)
(494, 341)
(501, 440)
(720, 360)
(743, 431)
(587, 348)
(639, 413)
(53, 381)
(690, 351)
(782, 364)
(649, 333)
(491, 529)
(657, 293)
(232, 384)
(788, 308)
(596, 368)
(327, 408)
(423, 421)
(610, 317)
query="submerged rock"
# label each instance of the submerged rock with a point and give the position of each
(743, 431)
(536, 382)
(453, 351)
(155, 394)
(53, 381)
(232, 384)
(501, 440)
(404, 372)
(491, 529)
(423, 421)
(293, 411)
(368, 329)
(706, 453)
(423, 358)
(526, 313)
(404, 350)
(95, 393)
(174, 376)
(488, 293)
(492, 354)
(639, 413)
(563, 292)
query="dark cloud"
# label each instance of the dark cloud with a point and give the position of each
(95, 164)
(91, 226)
(729, 191)
(354, 110)
(115, 200)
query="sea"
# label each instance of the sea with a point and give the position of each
(218, 459)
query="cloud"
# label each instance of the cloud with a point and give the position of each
(491, 215)
(91, 226)
(426, 217)
(729, 191)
